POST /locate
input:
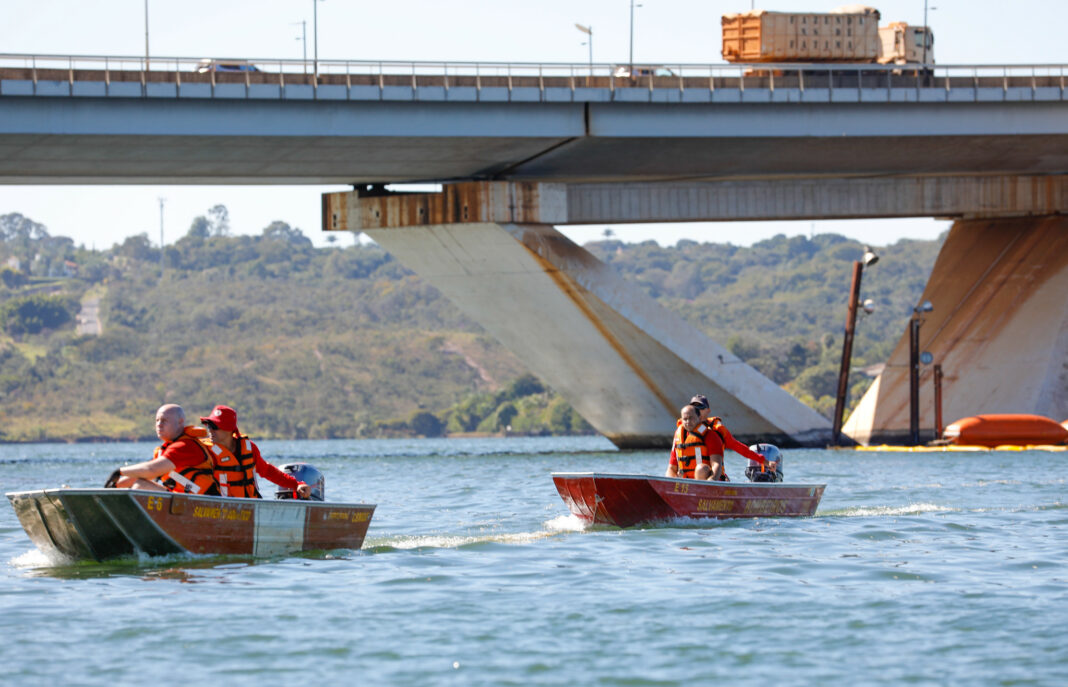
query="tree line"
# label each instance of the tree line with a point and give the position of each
(338, 342)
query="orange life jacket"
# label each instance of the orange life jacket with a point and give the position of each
(196, 479)
(236, 474)
(689, 449)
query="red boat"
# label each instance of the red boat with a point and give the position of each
(625, 500)
(109, 523)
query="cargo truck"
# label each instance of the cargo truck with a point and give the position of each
(849, 34)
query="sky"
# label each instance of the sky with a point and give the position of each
(983, 32)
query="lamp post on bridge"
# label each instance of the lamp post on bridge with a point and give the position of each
(303, 38)
(146, 35)
(630, 63)
(926, 33)
(869, 259)
(315, 30)
(588, 30)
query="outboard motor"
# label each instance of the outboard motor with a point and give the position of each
(768, 472)
(307, 474)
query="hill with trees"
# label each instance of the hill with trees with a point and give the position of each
(331, 342)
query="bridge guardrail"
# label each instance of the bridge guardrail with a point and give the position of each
(397, 80)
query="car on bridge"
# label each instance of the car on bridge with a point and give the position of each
(230, 66)
(640, 71)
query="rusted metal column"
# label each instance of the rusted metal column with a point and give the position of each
(938, 401)
(914, 380)
(847, 352)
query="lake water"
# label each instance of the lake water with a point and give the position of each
(928, 569)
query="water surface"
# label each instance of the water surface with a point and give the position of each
(929, 569)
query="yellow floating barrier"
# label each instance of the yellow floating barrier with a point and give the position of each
(955, 448)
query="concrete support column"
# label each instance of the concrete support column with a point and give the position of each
(998, 330)
(625, 363)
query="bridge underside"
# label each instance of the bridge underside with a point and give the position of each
(999, 329)
(623, 362)
(154, 140)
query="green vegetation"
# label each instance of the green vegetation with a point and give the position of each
(345, 342)
(780, 305)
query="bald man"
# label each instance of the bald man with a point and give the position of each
(180, 464)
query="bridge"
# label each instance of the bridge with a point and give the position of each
(523, 147)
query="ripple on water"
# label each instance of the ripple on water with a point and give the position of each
(459, 586)
(883, 511)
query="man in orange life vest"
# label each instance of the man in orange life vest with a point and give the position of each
(237, 460)
(709, 435)
(181, 464)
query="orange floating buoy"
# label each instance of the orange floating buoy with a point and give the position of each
(1007, 429)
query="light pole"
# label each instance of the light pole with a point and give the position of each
(630, 63)
(162, 200)
(588, 30)
(303, 38)
(938, 401)
(869, 259)
(914, 369)
(146, 35)
(315, 30)
(926, 33)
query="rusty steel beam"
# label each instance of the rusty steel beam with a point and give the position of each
(477, 201)
(816, 198)
(968, 197)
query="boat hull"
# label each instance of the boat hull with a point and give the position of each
(100, 524)
(626, 500)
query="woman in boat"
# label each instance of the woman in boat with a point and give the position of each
(181, 464)
(714, 438)
(237, 459)
(690, 452)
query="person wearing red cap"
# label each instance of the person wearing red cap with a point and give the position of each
(181, 464)
(237, 459)
(716, 437)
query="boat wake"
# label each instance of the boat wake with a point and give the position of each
(446, 541)
(556, 526)
(882, 511)
(565, 523)
(35, 558)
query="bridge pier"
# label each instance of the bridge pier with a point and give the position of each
(999, 330)
(625, 363)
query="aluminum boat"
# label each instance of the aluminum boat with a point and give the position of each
(626, 500)
(108, 523)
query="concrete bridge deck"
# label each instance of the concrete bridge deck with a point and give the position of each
(110, 120)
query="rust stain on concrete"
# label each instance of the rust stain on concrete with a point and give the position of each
(998, 290)
(578, 295)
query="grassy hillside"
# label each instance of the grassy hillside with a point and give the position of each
(344, 342)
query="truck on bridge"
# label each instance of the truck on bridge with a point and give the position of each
(849, 34)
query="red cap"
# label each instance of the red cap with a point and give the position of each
(223, 417)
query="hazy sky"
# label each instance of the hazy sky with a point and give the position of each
(665, 31)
